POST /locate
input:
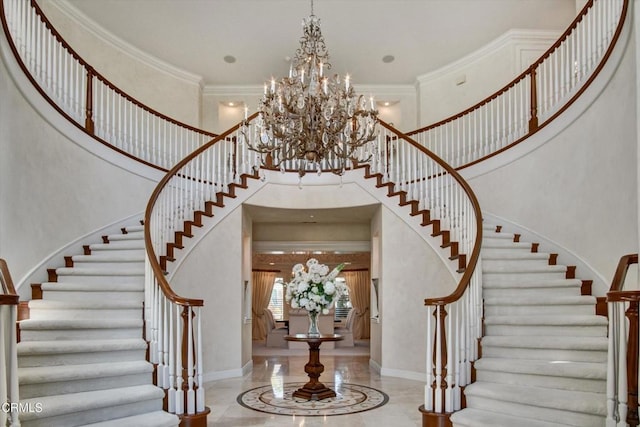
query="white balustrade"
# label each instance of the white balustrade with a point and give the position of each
(9, 392)
(513, 113)
(88, 99)
(624, 345)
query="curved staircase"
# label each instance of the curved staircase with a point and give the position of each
(82, 354)
(544, 350)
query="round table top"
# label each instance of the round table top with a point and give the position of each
(307, 338)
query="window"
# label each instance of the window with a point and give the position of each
(276, 303)
(343, 305)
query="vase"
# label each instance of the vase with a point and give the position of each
(313, 324)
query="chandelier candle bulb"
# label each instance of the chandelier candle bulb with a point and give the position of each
(321, 124)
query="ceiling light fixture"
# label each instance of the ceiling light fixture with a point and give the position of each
(314, 119)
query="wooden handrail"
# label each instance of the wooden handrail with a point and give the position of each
(87, 125)
(522, 76)
(621, 271)
(8, 296)
(96, 74)
(475, 254)
(151, 254)
(530, 72)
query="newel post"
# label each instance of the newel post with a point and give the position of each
(190, 417)
(632, 364)
(433, 412)
(533, 121)
(88, 124)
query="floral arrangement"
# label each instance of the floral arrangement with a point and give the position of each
(315, 290)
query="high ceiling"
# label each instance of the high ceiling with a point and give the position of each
(422, 35)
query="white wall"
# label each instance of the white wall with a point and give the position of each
(213, 271)
(411, 272)
(467, 81)
(52, 191)
(580, 189)
(164, 88)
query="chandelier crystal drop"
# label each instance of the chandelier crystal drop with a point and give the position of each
(314, 118)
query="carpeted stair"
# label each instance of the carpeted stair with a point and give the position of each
(544, 351)
(82, 356)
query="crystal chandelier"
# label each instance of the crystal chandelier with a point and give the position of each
(311, 118)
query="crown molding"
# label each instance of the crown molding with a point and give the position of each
(233, 90)
(258, 90)
(521, 39)
(117, 43)
(311, 246)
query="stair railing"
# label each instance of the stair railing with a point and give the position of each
(622, 375)
(9, 395)
(174, 323)
(87, 99)
(502, 120)
(534, 98)
(454, 322)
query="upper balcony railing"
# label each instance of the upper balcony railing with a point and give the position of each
(88, 99)
(504, 119)
(534, 98)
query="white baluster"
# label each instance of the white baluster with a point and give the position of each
(171, 394)
(428, 388)
(438, 403)
(199, 363)
(179, 366)
(191, 398)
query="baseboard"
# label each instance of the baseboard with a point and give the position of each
(375, 366)
(222, 375)
(247, 368)
(399, 373)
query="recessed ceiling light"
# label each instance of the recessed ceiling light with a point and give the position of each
(229, 59)
(388, 58)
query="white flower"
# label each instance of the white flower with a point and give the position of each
(315, 288)
(329, 288)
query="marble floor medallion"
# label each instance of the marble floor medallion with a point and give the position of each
(277, 399)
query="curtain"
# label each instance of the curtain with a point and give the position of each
(262, 287)
(359, 293)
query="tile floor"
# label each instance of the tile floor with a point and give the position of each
(405, 396)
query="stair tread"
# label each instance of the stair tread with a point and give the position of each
(92, 287)
(542, 299)
(548, 319)
(85, 304)
(46, 374)
(560, 368)
(511, 269)
(27, 348)
(79, 402)
(109, 257)
(122, 244)
(97, 271)
(52, 324)
(479, 418)
(569, 400)
(133, 235)
(134, 228)
(548, 342)
(491, 254)
(530, 283)
(150, 419)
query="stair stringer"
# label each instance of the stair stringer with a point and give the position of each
(208, 224)
(404, 213)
